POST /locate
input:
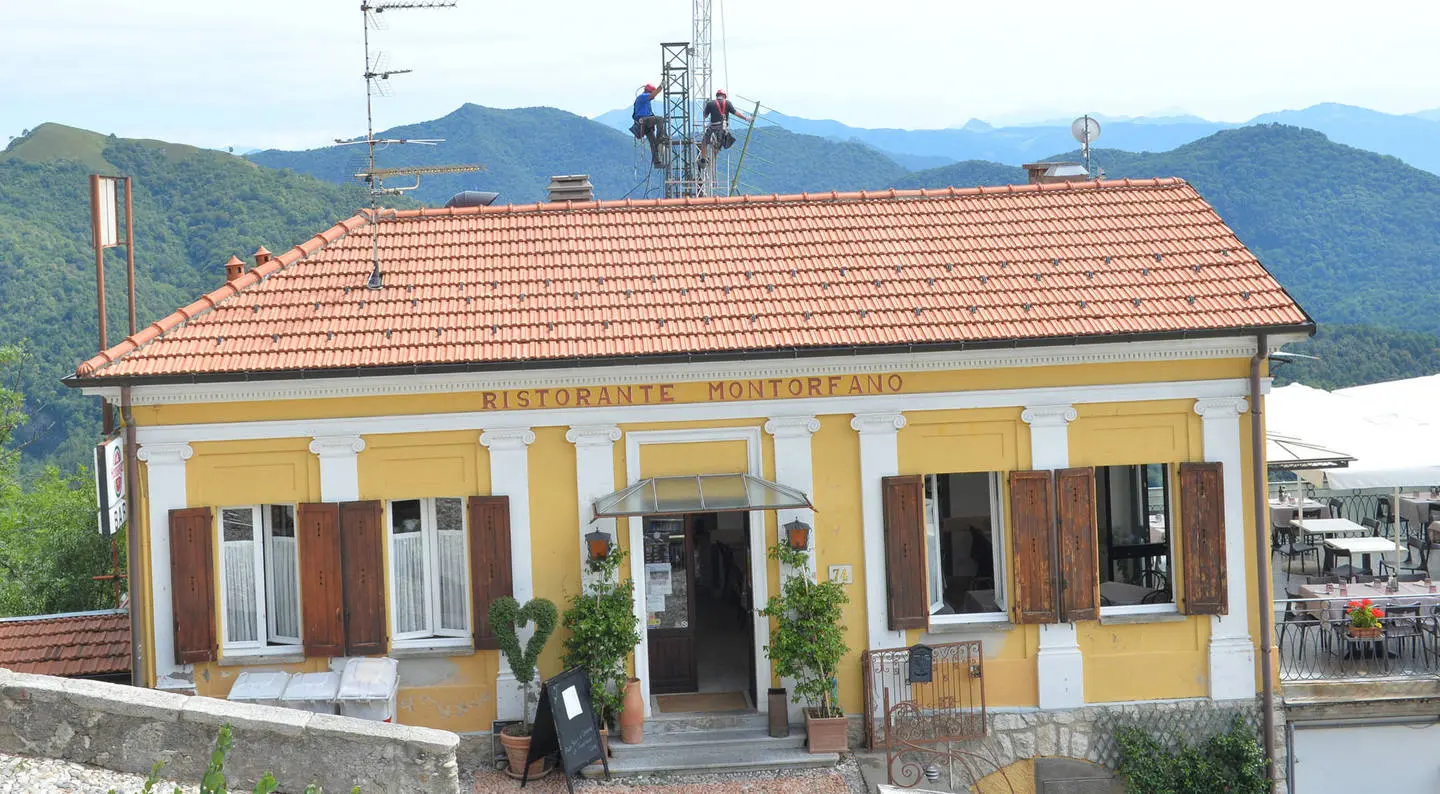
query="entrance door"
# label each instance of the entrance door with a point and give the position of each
(669, 591)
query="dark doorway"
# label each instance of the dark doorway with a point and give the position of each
(699, 610)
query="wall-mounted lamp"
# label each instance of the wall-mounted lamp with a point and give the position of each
(599, 544)
(797, 532)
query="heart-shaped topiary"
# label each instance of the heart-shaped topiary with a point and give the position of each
(507, 617)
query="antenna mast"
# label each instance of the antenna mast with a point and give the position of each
(701, 66)
(377, 84)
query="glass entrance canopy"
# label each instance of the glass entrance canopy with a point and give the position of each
(699, 493)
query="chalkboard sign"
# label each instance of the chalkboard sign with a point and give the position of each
(565, 724)
(921, 666)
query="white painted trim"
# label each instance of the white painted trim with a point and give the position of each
(509, 449)
(594, 478)
(339, 466)
(684, 412)
(1059, 664)
(759, 578)
(1232, 652)
(381, 385)
(1139, 609)
(879, 458)
(794, 466)
(164, 491)
(969, 619)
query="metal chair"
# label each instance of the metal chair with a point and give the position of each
(1402, 624)
(1299, 618)
(1292, 549)
(1415, 549)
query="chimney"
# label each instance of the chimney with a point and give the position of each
(572, 187)
(1041, 173)
(233, 268)
(262, 255)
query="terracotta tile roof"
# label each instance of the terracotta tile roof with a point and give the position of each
(77, 644)
(504, 284)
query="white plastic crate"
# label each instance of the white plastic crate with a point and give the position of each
(312, 692)
(367, 689)
(262, 688)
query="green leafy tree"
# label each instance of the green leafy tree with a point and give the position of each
(602, 625)
(807, 639)
(1231, 762)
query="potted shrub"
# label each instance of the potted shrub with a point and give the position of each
(807, 642)
(506, 617)
(602, 625)
(1364, 619)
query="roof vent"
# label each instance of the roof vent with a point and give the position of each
(233, 268)
(571, 187)
(262, 255)
(1056, 172)
(473, 198)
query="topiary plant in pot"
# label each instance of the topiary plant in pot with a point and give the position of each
(602, 625)
(807, 642)
(506, 618)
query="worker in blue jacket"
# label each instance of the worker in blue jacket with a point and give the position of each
(647, 124)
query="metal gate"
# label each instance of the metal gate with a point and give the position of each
(909, 717)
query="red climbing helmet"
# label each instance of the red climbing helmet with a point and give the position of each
(721, 92)
(649, 89)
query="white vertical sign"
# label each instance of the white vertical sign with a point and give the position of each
(110, 484)
(109, 217)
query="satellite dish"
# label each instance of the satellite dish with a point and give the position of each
(1085, 129)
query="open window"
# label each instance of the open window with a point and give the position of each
(259, 578)
(1134, 521)
(965, 547)
(430, 593)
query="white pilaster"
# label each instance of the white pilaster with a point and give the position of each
(1232, 652)
(339, 466)
(510, 476)
(794, 466)
(1060, 667)
(164, 491)
(595, 477)
(879, 458)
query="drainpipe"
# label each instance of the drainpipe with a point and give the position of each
(1262, 557)
(133, 552)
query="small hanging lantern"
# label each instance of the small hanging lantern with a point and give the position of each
(797, 532)
(599, 544)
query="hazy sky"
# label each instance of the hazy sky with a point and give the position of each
(285, 73)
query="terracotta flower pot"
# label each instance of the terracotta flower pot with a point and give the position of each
(517, 749)
(1368, 633)
(632, 716)
(826, 734)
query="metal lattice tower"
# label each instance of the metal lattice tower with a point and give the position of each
(680, 149)
(701, 65)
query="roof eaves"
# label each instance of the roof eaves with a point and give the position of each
(210, 300)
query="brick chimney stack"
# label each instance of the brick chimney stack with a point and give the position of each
(234, 268)
(262, 255)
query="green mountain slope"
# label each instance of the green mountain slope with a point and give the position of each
(193, 207)
(1353, 355)
(522, 148)
(1353, 235)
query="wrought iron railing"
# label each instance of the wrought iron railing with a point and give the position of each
(917, 710)
(1316, 643)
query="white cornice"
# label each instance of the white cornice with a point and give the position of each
(1048, 415)
(344, 446)
(386, 385)
(592, 435)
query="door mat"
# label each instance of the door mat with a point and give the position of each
(702, 701)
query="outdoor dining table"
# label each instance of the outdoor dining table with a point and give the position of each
(1120, 593)
(1362, 546)
(1282, 513)
(1331, 606)
(1417, 509)
(1329, 526)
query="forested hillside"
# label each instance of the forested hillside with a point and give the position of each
(194, 208)
(1353, 355)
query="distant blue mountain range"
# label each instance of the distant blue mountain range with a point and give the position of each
(1413, 138)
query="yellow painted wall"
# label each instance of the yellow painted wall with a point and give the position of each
(554, 531)
(839, 539)
(1152, 660)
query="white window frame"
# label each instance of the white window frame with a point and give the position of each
(268, 640)
(999, 542)
(1173, 607)
(432, 635)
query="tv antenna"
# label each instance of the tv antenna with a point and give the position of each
(1085, 129)
(377, 76)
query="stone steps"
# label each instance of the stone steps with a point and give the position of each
(721, 742)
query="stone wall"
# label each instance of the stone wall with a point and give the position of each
(1088, 734)
(128, 729)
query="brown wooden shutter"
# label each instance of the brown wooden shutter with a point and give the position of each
(322, 599)
(905, 574)
(192, 584)
(1032, 522)
(362, 577)
(489, 562)
(1202, 538)
(1079, 565)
